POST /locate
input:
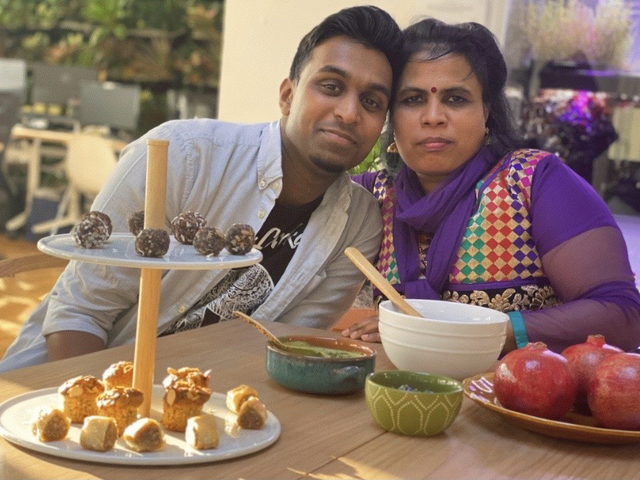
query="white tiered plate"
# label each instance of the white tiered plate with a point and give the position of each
(15, 426)
(119, 251)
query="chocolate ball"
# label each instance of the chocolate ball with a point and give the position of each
(239, 239)
(185, 226)
(209, 241)
(90, 232)
(152, 242)
(136, 222)
(102, 216)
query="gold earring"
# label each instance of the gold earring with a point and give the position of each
(487, 138)
(392, 148)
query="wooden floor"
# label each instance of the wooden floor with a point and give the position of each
(19, 295)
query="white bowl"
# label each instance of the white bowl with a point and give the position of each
(452, 339)
(441, 341)
(446, 316)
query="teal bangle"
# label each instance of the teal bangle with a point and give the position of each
(519, 332)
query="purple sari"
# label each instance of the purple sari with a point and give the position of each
(444, 213)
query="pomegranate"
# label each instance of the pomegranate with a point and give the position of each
(614, 392)
(584, 358)
(536, 381)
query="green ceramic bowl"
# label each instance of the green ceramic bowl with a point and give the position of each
(325, 376)
(428, 409)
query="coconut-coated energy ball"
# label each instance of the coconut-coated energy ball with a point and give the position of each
(239, 239)
(102, 216)
(90, 232)
(135, 221)
(152, 242)
(209, 241)
(185, 226)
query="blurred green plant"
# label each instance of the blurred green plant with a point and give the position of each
(159, 44)
(153, 111)
(371, 162)
(171, 41)
(36, 14)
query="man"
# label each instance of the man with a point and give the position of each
(286, 179)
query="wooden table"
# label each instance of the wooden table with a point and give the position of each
(34, 157)
(322, 437)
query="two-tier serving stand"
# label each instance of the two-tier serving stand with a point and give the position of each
(119, 251)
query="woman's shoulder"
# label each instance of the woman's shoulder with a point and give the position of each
(372, 180)
(529, 157)
(521, 165)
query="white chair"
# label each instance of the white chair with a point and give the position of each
(89, 161)
(9, 116)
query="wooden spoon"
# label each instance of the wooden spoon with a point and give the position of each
(379, 281)
(300, 349)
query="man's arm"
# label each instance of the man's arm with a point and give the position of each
(88, 298)
(70, 343)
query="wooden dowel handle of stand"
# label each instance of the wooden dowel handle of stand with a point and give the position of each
(156, 190)
(149, 299)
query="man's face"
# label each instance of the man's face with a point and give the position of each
(334, 113)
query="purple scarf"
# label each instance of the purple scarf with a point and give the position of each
(444, 214)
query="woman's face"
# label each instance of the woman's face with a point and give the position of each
(439, 116)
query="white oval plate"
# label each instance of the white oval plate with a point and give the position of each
(119, 251)
(15, 426)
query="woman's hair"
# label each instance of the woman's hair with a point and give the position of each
(479, 47)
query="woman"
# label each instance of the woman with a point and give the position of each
(470, 218)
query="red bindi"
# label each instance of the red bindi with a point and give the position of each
(434, 89)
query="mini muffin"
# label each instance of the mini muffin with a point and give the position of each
(186, 391)
(202, 432)
(98, 433)
(78, 397)
(144, 435)
(50, 424)
(119, 374)
(121, 404)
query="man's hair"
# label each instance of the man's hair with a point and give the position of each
(368, 25)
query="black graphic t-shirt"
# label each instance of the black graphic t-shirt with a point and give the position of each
(245, 289)
(280, 235)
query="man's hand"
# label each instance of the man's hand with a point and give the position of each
(365, 330)
(70, 343)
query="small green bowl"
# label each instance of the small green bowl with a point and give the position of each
(430, 408)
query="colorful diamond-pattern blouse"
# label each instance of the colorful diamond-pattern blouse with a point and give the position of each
(498, 264)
